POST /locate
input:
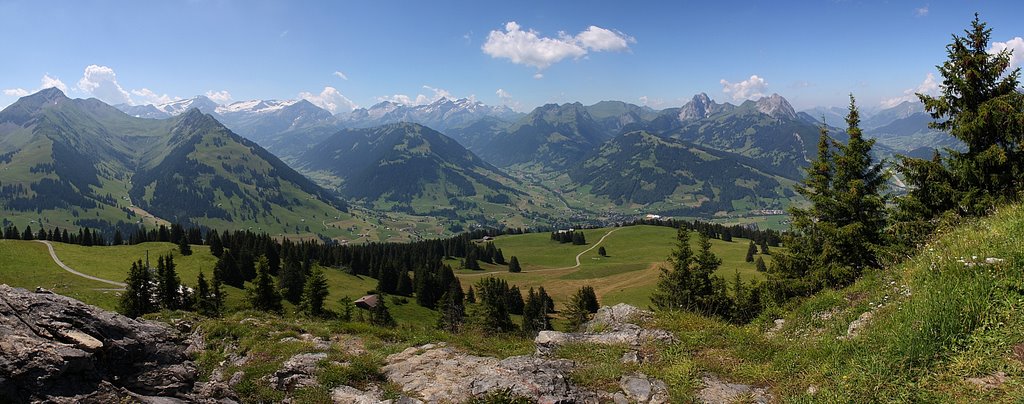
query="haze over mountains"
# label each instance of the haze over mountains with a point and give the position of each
(461, 160)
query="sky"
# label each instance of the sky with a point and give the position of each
(347, 54)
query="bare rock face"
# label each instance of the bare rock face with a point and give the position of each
(438, 373)
(719, 391)
(54, 348)
(611, 325)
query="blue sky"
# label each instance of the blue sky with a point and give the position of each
(342, 54)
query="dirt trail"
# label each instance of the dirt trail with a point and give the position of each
(61, 264)
(555, 269)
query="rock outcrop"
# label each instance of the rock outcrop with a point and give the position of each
(611, 325)
(57, 349)
(438, 373)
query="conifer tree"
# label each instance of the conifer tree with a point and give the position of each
(137, 298)
(751, 250)
(535, 314)
(314, 294)
(980, 104)
(261, 294)
(217, 294)
(576, 312)
(291, 280)
(515, 300)
(27, 234)
(760, 266)
(602, 252)
(590, 299)
(204, 298)
(453, 309)
(405, 285)
(183, 247)
(168, 283)
(380, 315)
(513, 265)
(491, 312)
(470, 296)
(213, 240)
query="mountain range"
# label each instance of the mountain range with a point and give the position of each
(84, 162)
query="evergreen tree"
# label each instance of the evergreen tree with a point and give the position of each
(347, 307)
(590, 299)
(27, 234)
(470, 262)
(760, 266)
(217, 294)
(513, 265)
(118, 238)
(764, 247)
(672, 291)
(470, 296)
(213, 240)
(291, 280)
(980, 104)
(453, 310)
(578, 238)
(314, 294)
(168, 283)
(380, 315)
(499, 258)
(227, 270)
(261, 294)
(405, 285)
(183, 247)
(602, 252)
(576, 312)
(549, 303)
(535, 318)
(137, 298)
(690, 283)
(751, 250)
(514, 300)
(204, 297)
(491, 312)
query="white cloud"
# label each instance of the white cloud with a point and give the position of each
(220, 97)
(921, 12)
(44, 83)
(530, 49)
(419, 99)
(340, 75)
(503, 95)
(147, 96)
(751, 88)
(599, 39)
(330, 99)
(101, 82)
(643, 100)
(538, 76)
(1015, 45)
(928, 86)
(16, 92)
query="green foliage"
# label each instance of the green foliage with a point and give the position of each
(751, 250)
(168, 289)
(380, 315)
(690, 283)
(513, 265)
(589, 297)
(841, 234)
(137, 298)
(535, 314)
(760, 265)
(602, 252)
(979, 104)
(183, 247)
(576, 310)
(205, 298)
(491, 312)
(291, 280)
(261, 293)
(314, 293)
(453, 309)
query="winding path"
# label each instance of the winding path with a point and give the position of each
(61, 264)
(555, 269)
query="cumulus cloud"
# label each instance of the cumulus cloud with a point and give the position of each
(330, 99)
(44, 83)
(147, 96)
(921, 12)
(101, 82)
(531, 49)
(599, 39)
(751, 88)
(340, 75)
(419, 99)
(928, 86)
(538, 76)
(220, 97)
(1015, 45)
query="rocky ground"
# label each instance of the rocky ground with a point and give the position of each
(56, 349)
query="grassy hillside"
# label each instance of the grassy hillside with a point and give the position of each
(627, 275)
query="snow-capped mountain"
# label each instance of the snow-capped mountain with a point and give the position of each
(173, 108)
(441, 114)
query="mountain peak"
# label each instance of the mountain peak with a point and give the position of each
(776, 106)
(50, 94)
(700, 107)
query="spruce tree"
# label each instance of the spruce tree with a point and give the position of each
(602, 252)
(380, 315)
(672, 291)
(217, 294)
(183, 247)
(405, 285)
(513, 265)
(291, 280)
(213, 240)
(980, 104)
(751, 250)
(453, 309)
(314, 294)
(204, 298)
(760, 266)
(168, 283)
(590, 299)
(576, 312)
(514, 300)
(491, 312)
(137, 298)
(470, 296)
(535, 314)
(261, 294)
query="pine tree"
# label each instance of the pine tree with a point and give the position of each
(291, 280)
(453, 310)
(204, 298)
(514, 300)
(690, 283)
(672, 291)
(183, 247)
(602, 252)
(168, 283)
(405, 285)
(590, 299)
(27, 234)
(535, 318)
(980, 104)
(380, 315)
(764, 247)
(118, 238)
(470, 296)
(314, 294)
(261, 294)
(137, 298)
(576, 312)
(217, 294)
(491, 312)
(751, 250)
(499, 258)
(213, 240)
(513, 265)
(760, 266)
(549, 303)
